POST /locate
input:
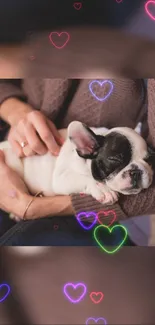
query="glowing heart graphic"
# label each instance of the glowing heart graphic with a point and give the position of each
(101, 84)
(75, 287)
(105, 214)
(32, 57)
(55, 227)
(147, 9)
(4, 285)
(77, 5)
(65, 37)
(96, 320)
(82, 194)
(110, 231)
(96, 297)
(86, 215)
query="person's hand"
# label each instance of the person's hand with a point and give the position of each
(14, 195)
(37, 134)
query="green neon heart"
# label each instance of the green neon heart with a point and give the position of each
(110, 230)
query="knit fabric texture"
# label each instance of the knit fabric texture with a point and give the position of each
(119, 102)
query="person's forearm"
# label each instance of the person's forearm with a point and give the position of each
(50, 206)
(12, 110)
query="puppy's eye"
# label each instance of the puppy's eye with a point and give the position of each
(115, 159)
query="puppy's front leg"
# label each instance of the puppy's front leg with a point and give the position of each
(110, 196)
(71, 182)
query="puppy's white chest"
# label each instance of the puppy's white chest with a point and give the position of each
(38, 173)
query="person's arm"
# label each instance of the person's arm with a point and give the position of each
(50, 206)
(13, 104)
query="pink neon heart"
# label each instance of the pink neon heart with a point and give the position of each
(67, 37)
(148, 9)
(96, 297)
(56, 227)
(77, 5)
(32, 57)
(82, 194)
(106, 213)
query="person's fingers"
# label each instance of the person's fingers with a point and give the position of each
(35, 144)
(28, 151)
(2, 157)
(46, 135)
(15, 139)
(55, 132)
(16, 147)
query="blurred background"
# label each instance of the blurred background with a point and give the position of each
(119, 35)
(37, 276)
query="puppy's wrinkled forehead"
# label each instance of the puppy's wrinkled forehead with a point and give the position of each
(116, 145)
(132, 141)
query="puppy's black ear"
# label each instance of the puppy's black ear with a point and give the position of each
(87, 143)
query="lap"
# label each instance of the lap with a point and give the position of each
(51, 231)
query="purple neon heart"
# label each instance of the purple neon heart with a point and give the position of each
(87, 215)
(96, 320)
(75, 286)
(7, 293)
(101, 83)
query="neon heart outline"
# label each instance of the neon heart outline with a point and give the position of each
(106, 214)
(75, 3)
(147, 9)
(74, 286)
(96, 320)
(110, 230)
(59, 34)
(96, 293)
(87, 214)
(8, 287)
(56, 227)
(82, 194)
(101, 83)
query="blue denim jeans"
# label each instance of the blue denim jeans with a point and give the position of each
(54, 231)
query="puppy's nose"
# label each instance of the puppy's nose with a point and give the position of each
(135, 175)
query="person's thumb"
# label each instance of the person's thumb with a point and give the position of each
(2, 157)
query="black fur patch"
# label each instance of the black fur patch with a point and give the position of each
(113, 156)
(150, 159)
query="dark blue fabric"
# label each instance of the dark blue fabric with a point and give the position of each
(104, 13)
(43, 232)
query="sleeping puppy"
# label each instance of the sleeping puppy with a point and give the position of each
(94, 161)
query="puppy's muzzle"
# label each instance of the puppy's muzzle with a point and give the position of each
(136, 177)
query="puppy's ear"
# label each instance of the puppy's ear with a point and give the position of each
(87, 143)
(138, 128)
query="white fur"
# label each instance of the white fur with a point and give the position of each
(139, 151)
(62, 175)
(66, 174)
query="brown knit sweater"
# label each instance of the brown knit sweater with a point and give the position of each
(65, 100)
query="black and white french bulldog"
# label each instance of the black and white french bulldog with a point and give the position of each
(94, 161)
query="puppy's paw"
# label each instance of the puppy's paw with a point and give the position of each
(102, 193)
(13, 217)
(97, 193)
(110, 198)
